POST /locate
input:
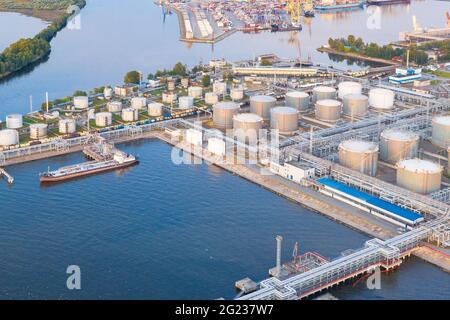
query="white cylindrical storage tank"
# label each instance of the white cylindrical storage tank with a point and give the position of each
(382, 99)
(328, 110)
(261, 105)
(67, 126)
(397, 144)
(107, 92)
(441, 131)
(195, 92)
(211, 98)
(359, 155)
(298, 99)
(103, 119)
(323, 92)
(349, 87)
(185, 82)
(169, 97)
(129, 114)
(185, 102)
(81, 102)
(14, 121)
(285, 119)
(220, 88)
(138, 103)
(114, 106)
(9, 137)
(223, 113)
(421, 176)
(355, 105)
(38, 130)
(155, 109)
(246, 127)
(237, 94)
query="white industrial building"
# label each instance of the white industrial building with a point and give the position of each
(293, 171)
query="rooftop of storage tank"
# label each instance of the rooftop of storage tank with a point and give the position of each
(445, 120)
(356, 96)
(263, 98)
(400, 135)
(284, 110)
(297, 94)
(226, 105)
(359, 145)
(419, 165)
(248, 117)
(329, 102)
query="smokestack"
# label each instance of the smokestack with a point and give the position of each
(279, 240)
(46, 100)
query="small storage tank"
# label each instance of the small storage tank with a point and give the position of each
(138, 103)
(285, 119)
(328, 110)
(169, 97)
(38, 131)
(81, 102)
(67, 126)
(129, 114)
(185, 102)
(211, 98)
(114, 106)
(103, 119)
(298, 99)
(421, 176)
(14, 121)
(220, 88)
(223, 113)
(9, 137)
(441, 131)
(349, 87)
(155, 109)
(355, 105)
(237, 94)
(382, 99)
(397, 144)
(261, 105)
(195, 92)
(246, 127)
(323, 92)
(359, 155)
(185, 82)
(107, 92)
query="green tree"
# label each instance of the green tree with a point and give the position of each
(179, 69)
(132, 77)
(266, 63)
(78, 93)
(206, 80)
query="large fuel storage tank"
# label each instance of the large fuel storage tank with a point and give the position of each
(359, 155)
(323, 92)
(261, 105)
(246, 127)
(211, 98)
(285, 119)
(129, 114)
(114, 106)
(67, 126)
(398, 144)
(155, 109)
(169, 97)
(382, 99)
(195, 92)
(185, 102)
(298, 99)
(108, 92)
(328, 110)
(9, 137)
(237, 94)
(223, 113)
(103, 119)
(220, 87)
(349, 87)
(81, 102)
(138, 103)
(38, 131)
(421, 176)
(441, 131)
(355, 105)
(14, 121)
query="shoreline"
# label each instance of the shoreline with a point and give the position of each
(44, 15)
(358, 56)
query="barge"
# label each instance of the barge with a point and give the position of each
(338, 5)
(383, 2)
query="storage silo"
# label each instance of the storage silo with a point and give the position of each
(14, 121)
(67, 126)
(138, 103)
(285, 119)
(211, 98)
(185, 102)
(440, 127)
(9, 137)
(323, 93)
(38, 131)
(349, 87)
(237, 94)
(81, 102)
(129, 114)
(261, 105)
(169, 97)
(298, 99)
(246, 127)
(382, 99)
(223, 113)
(155, 109)
(328, 110)
(220, 88)
(103, 119)
(359, 155)
(421, 176)
(195, 92)
(398, 144)
(114, 106)
(355, 105)
(107, 92)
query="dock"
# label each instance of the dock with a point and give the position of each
(9, 178)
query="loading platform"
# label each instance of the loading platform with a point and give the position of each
(9, 178)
